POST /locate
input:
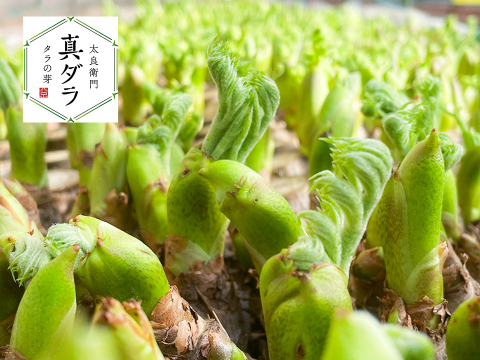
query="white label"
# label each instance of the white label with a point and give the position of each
(70, 69)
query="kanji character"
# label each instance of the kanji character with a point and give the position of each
(94, 49)
(70, 47)
(47, 78)
(94, 82)
(93, 61)
(93, 72)
(74, 68)
(70, 92)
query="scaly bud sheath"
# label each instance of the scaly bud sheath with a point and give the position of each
(264, 218)
(148, 181)
(148, 169)
(359, 336)
(450, 206)
(47, 309)
(27, 148)
(130, 328)
(246, 106)
(81, 141)
(408, 224)
(109, 178)
(303, 300)
(119, 265)
(463, 331)
(223, 349)
(468, 185)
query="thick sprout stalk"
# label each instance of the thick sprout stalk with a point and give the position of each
(308, 280)
(108, 179)
(81, 141)
(27, 149)
(27, 140)
(148, 170)
(463, 331)
(264, 218)
(129, 327)
(408, 218)
(47, 310)
(246, 106)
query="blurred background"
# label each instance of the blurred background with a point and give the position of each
(12, 11)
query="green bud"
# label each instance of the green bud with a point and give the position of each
(223, 349)
(408, 224)
(358, 336)
(120, 266)
(47, 310)
(86, 342)
(130, 328)
(413, 345)
(293, 300)
(463, 331)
